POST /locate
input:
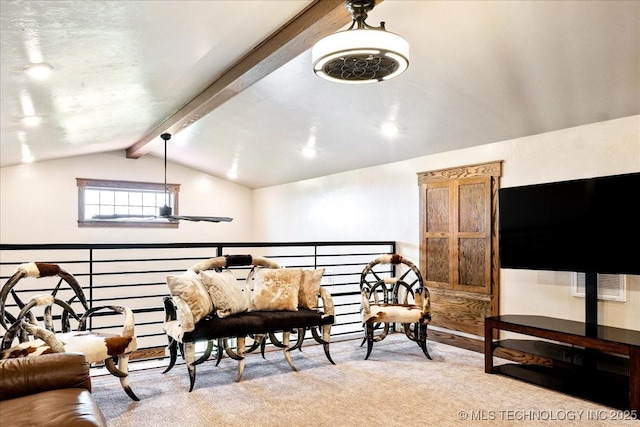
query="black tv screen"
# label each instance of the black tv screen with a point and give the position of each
(586, 225)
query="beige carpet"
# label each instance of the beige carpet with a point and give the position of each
(397, 386)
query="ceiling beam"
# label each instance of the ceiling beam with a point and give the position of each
(319, 19)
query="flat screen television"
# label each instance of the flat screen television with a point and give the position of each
(586, 225)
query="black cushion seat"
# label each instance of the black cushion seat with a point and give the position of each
(289, 320)
(255, 322)
(236, 325)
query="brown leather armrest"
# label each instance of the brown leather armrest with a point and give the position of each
(27, 375)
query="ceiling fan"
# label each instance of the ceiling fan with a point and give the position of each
(166, 210)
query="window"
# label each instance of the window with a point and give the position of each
(106, 203)
(611, 287)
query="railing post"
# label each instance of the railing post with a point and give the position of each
(90, 285)
(91, 278)
(315, 256)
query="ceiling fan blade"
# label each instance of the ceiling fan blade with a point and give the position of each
(167, 217)
(123, 216)
(199, 218)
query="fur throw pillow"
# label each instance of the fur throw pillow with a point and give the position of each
(189, 288)
(310, 288)
(226, 293)
(275, 289)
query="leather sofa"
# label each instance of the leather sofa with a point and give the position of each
(48, 390)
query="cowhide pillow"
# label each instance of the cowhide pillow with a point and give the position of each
(310, 288)
(226, 293)
(190, 289)
(275, 289)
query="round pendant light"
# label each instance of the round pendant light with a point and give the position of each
(360, 54)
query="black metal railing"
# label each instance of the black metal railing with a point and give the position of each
(134, 275)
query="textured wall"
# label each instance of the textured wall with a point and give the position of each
(39, 202)
(382, 203)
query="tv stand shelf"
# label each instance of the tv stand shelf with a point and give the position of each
(597, 369)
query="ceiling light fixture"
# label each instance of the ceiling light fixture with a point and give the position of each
(31, 121)
(233, 172)
(27, 157)
(309, 152)
(39, 71)
(361, 53)
(389, 129)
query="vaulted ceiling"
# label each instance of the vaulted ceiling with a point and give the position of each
(232, 80)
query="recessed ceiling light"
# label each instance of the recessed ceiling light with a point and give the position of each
(27, 157)
(309, 152)
(233, 172)
(39, 71)
(389, 129)
(31, 121)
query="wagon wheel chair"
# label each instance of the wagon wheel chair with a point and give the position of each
(39, 335)
(387, 300)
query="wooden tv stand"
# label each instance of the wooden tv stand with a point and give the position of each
(589, 361)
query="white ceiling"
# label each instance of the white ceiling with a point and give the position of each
(480, 72)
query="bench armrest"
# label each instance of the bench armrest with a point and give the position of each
(178, 317)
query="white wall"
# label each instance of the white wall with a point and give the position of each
(39, 202)
(382, 203)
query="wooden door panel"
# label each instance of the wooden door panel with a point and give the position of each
(472, 207)
(437, 218)
(458, 250)
(472, 269)
(438, 262)
(457, 232)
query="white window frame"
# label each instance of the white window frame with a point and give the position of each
(126, 186)
(610, 293)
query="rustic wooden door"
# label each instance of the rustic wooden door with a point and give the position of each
(458, 248)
